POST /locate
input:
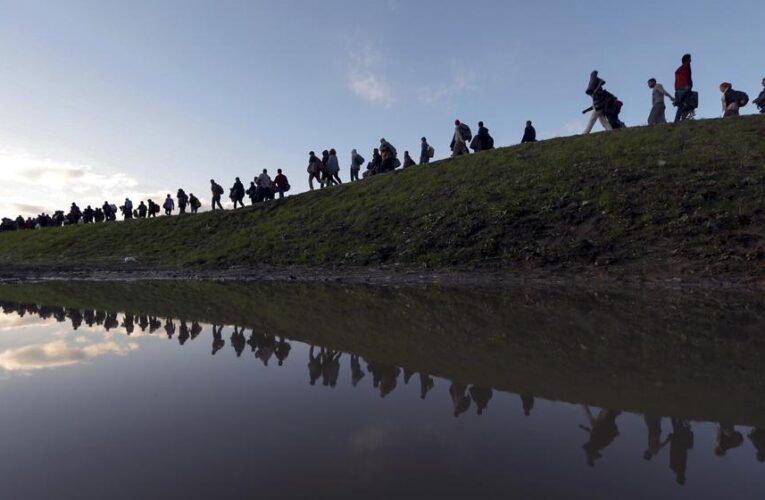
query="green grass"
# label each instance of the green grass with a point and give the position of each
(692, 194)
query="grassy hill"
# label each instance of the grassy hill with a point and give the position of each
(689, 198)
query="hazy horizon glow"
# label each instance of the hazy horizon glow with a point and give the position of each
(103, 100)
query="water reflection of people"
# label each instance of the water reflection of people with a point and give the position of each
(481, 396)
(238, 341)
(265, 346)
(282, 350)
(128, 324)
(426, 384)
(89, 316)
(680, 442)
(602, 430)
(384, 377)
(330, 367)
(314, 366)
(143, 322)
(357, 373)
(75, 316)
(528, 404)
(169, 328)
(111, 321)
(196, 329)
(154, 324)
(728, 438)
(183, 332)
(460, 399)
(655, 445)
(218, 342)
(757, 437)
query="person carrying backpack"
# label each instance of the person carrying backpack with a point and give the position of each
(426, 151)
(482, 140)
(529, 133)
(760, 100)
(460, 139)
(194, 203)
(142, 209)
(683, 87)
(732, 100)
(217, 191)
(183, 200)
(237, 193)
(333, 168)
(314, 170)
(600, 99)
(281, 184)
(356, 162)
(376, 162)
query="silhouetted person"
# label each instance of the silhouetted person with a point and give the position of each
(655, 444)
(281, 184)
(89, 316)
(194, 203)
(357, 373)
(128, 323)
(481, 396)
(111, 321)
(142, 210)
(426, 384)
(460, 399)
(282, 350)
(238, 341)
(154, 324)
(217, 191)
(75, 316)
(728, 438)
(314, 170)
(426, 151)
(237, 193)
(757, 437)
(266, 345)
(680, 441)
(183, 200)
(602, 432)
(218, 342)
(529, 133)
(408, 160)
(143, 323)
(407, 375)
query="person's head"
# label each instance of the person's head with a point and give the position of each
(311, 153)
(686, 58)
(406, 153)
(425, 140)
(480, 124)
(376, 150)
(353, 152)
(237, 179)
(278, 170)
(168, 195)
(212, 181)
(332, 152)
(725, 86)
(382, 140)
(528, 123)
(651, 83)
(763, 82)
(456, 122)
(265, 171)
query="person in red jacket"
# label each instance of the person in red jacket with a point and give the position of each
(683, 85)
(281, 183)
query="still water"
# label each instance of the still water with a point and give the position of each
(212, 390)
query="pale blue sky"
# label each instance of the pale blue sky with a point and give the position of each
(103, 97)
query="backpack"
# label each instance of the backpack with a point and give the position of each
(218, 189)
(465, 132)
(741, 98)
(359, 160)
(431, 152)
(692, 100)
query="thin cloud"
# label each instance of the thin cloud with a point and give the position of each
(464, 80)
(364, 78)
(56, 354)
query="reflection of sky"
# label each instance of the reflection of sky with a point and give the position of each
(30, 343)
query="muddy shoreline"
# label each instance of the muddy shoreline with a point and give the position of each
(584, 276)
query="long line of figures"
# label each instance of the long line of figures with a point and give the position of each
(325, 170)
(324, 364)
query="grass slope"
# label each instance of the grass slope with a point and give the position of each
(691, 195)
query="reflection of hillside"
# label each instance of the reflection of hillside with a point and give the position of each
(679, 354)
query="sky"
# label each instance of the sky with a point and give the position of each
(102, 99)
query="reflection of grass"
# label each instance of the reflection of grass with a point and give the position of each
(693, 193)
(659, 351)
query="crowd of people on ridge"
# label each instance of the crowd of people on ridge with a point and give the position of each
(325, 170)
(324, 365)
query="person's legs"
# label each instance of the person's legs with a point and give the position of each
(604, 121)
(336, 177)
(680, 96)
(591, 122)
(281, 193)
(731, 110)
